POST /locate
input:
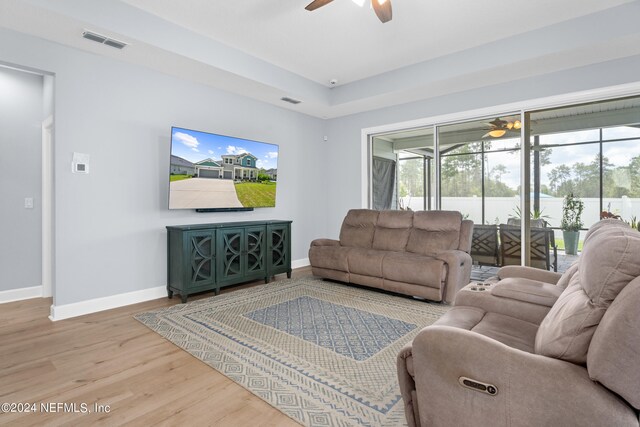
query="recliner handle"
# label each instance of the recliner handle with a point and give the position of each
(476, 385)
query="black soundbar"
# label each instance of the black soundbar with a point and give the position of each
(224, 210)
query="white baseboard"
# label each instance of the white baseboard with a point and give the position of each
(297, 263)
(66, 311)
(20, 294)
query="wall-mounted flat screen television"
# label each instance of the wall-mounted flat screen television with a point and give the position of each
(210, 172)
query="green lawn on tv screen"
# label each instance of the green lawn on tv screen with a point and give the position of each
(256, 194)
(178, 177)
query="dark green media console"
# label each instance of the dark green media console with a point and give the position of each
(205, 257)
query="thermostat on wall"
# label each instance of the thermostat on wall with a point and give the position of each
(80, 163)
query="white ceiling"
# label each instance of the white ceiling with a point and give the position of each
(349, 43)
(266, 49)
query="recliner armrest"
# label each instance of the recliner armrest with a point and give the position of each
(531, 291)
(325, 242)
(531, 273)
(530, 389)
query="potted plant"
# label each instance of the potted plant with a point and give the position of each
(538, 219)
(571, 224)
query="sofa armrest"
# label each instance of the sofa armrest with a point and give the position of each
(530, 389)
(466, 236)
(529, 273)
(404, 364)
(459, 272)
(525, 290)
(325, 242)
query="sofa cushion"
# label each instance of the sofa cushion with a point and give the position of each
(605, 223)
(609, 261)
(413, 268)
(508, 330)
(434, 231)
(618, 334)
(367, 262)
(358, 228)
(392, 230)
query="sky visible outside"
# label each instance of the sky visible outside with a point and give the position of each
(618, 153)
(195, 146)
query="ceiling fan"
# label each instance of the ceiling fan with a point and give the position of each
(499, 127)
(381, 7)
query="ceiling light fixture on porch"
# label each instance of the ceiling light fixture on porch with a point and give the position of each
(499, 127)
(382, 8)
(496, 133)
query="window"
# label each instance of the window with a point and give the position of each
(592, 151)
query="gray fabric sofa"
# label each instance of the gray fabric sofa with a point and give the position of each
(536, 347)
(424, 253)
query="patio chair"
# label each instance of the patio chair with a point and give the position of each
(484, 245)
(544, 252)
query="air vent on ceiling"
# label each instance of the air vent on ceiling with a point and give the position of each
(290, 100)
(103, 39)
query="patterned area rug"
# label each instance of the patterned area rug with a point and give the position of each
(321, 352)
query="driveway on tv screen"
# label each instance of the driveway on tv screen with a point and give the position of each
(203, 192)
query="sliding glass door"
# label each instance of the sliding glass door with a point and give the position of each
(480, 168)
(590, 152)
(412, 154)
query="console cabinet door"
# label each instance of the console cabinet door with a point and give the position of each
(230, 246)
(278, 249)
(200, 248)
(254, 252)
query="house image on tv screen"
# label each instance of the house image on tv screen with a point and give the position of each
(180, 166)
(237, 167)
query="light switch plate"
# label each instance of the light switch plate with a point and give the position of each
(28, 202)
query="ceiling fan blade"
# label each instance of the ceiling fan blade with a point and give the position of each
(316, 4)
(383, 11)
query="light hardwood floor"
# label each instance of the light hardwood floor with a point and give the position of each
(112, 359)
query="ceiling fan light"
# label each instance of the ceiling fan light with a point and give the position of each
(359, 2)
(517, 124)
(497, 133)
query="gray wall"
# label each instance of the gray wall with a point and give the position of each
(344, 186)
(20, 145)
(110, 224)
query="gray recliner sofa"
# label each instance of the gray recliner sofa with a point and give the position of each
(423, 253)
(534, 347)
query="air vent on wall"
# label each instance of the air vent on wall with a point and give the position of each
(290, 100)
(103, 39)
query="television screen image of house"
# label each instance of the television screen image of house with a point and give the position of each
(209, 171)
